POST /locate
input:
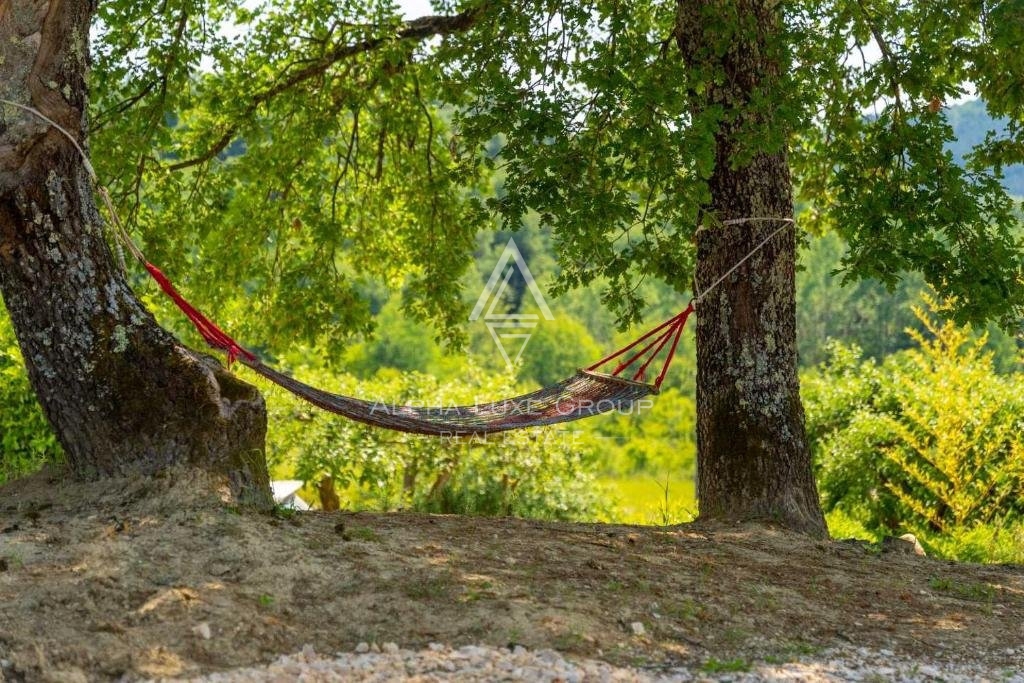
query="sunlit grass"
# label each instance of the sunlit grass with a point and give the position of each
(843, 525)
(649, 499)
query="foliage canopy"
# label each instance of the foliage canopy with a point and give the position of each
(312, 151)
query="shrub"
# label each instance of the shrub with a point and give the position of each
(657, 437)
(929, 441)
(27, 441)
(993, 542)
(544, 473)
(958, 440)
(848, 402)
(556, 349)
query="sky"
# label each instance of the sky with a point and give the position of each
(415, 8)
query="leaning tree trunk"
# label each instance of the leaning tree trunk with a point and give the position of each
(753, 457)
(122, 395)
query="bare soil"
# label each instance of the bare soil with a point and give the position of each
(116, 579)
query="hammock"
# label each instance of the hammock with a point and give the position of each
(589, 392)
(586, 393)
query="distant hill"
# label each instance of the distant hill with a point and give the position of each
(971, 123)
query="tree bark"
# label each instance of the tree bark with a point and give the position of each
(122, 395)
(753, 459)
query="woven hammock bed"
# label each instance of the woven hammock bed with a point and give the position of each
(584, 394)
(587, 393)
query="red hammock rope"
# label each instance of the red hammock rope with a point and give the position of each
(211, 333)
(659, 337)
(670, 329)
(585, 394)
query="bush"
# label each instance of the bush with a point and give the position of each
(542, 473)
(556, 349)
(26, 440)
(930, 441)
(848, 402)
(657, 437)
(959, 439)
(993, 542)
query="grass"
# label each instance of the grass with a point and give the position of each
(999, 542)
(659, 499)
(429, 587)
(965, 590)
(649, 499)
(843, 525)
(715, 666)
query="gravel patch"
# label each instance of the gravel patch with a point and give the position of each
(388, 662)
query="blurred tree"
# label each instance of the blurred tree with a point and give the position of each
(866, 314)
(556, 349)
(863, 313)
(401, 344)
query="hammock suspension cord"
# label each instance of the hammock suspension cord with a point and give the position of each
(590, 391)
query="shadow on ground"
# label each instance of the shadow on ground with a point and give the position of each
(158, 577)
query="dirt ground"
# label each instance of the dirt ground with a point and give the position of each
(156, 577)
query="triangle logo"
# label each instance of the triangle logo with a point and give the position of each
(511, 331)
(511, 259)
(515, 340)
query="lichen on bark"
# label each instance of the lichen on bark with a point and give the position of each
(753, 457)
(121, 393)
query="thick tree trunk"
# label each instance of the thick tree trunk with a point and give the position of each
(122, 395)
(753, 457)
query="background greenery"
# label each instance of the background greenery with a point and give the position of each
(915, 421)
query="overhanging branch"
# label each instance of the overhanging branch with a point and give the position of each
(418, 29)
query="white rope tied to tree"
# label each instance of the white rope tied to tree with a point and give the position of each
(786, 222)
(35, 112)
(120, 232)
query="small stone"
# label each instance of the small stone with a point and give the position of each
(637, 628)
(390, 648)
(912, 540)
(202, 629)
(374, 647)
(906, 544)
(362, 648)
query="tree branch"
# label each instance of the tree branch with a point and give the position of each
(888, 58)
(415, 30)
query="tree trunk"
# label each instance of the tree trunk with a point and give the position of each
(753, 458)
(122, 395)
